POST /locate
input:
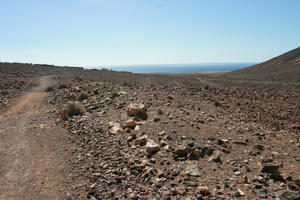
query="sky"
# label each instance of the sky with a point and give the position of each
(130, 32)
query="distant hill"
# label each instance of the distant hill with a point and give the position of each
(283, 67)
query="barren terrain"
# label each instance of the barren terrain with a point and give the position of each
(143, 136)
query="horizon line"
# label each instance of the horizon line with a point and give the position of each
(131, 65)
(198, 63)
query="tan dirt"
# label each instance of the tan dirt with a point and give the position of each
(32, 150)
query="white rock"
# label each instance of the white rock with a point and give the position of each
(152, 147)
(115, 127)
(162, 133)
(192, 170)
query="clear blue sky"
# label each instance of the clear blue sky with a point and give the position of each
(116, 32)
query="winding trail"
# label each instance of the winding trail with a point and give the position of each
(32, 150)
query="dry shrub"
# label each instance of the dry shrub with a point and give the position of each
(62, 86)
(78, 78)
(72, 108)
(83, 96)
(49, 89)
(160, 111)
(96, 91)
(5, 92)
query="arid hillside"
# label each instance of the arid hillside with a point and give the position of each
(283, 67)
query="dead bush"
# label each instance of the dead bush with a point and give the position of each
(49, 89)
(5, 92)
(62, 86)
(83, 96)
(72, 108)
(160, 111)
(96, 91)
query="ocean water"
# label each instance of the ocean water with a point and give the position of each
(177, 68)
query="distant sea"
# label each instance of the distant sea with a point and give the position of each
(177, 68)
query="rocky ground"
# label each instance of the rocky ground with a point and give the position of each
(12, 83)
(191, 142)
(169, 137)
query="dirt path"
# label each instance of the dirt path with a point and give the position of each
(32, 150)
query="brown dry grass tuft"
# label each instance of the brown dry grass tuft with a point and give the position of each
(72, 108)
(62, 86)
(49, 89)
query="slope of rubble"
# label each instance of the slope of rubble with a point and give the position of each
(180, 140)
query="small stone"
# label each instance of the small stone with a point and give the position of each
(267, 159)
(167, 147)
(263, 193)
(162, 133)
(240, 142)
(156, 119)
(292, 185)
(129, 124)
(174, 183)
(195, 154)
(141, 141)
(259, 147)
(216, 157)
(137, 128)
(130, 138)
(192, 170)
(296, 179)
(223, 142)
(167, 193)
(152, 147)
(115, 127)
(180, 152)
(137, 110)
(289, 195)
(257, 185)
(239, 193)
(208, 150)
(203, 190)
(237, 172)
(122, 93)
(97, 174)
(133, 196)
(270, 168)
